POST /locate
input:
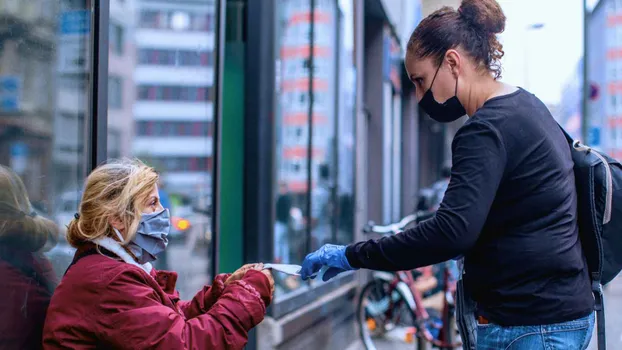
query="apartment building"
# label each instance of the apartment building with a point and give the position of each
(174, 78)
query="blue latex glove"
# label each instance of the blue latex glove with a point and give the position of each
(332, 256)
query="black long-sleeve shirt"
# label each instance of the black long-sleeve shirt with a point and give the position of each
(510, 208)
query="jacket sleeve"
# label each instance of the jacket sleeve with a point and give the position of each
(133, 316)
(204, 299)
(479, 159)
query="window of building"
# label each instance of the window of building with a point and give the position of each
(182, 164)
(115, 92)
(174, 93)
(173, 128)
(114, 143)
(116, 38)
(182, 58)
(178, 20)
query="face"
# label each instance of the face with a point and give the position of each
(150, 205)
(421, 73)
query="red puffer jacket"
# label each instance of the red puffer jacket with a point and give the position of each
(106, 303)
(27, 281)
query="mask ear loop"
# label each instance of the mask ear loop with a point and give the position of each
(435, 74)
(119, 236)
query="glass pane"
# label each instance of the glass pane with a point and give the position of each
(292, 138)
(166, 120)
(346, 125)
(43, 106)
(324, 155)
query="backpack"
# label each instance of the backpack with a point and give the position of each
(598, 179)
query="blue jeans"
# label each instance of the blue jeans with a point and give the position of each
(573, 335)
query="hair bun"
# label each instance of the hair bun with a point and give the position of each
(485, 15)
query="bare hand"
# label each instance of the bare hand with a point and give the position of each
(237, 275)
(268, 273)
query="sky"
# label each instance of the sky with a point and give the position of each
(542, 60)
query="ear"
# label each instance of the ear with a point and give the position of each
(454, 60)
(117, 223)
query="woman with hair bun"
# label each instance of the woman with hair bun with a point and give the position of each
(28, 279)
(511, 206)
(111, 297)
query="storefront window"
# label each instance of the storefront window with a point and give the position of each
(44, 77)
(346, 115)
(315, 182)
(292, 140)
(165, 120)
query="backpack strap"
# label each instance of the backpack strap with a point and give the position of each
(566, 135)
(599, 307)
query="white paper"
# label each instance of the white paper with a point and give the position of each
(289, 269)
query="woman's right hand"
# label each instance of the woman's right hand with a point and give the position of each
(239, 274)
(268, 274)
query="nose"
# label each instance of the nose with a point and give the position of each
(419, 95)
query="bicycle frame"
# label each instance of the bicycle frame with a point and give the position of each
(405, 282)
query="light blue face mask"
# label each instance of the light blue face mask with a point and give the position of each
(151, 237)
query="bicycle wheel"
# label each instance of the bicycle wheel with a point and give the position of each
(385, 319)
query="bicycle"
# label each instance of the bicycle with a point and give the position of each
(390, 297)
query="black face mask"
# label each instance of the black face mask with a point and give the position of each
(446, 112)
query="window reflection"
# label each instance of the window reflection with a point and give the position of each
(330, 216)
(44, 77)
(292, 133)
(168, 64)
(346, 111)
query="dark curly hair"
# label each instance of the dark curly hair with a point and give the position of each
(473, 27)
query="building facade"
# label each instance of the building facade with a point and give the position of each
(174, 79)
(121, 87)
(604, 61)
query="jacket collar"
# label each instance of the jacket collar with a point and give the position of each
(116, 248)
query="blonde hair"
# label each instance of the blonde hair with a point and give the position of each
(112, 191)
(20, 226)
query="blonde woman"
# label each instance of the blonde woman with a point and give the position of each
(111, 297)
(27, 276)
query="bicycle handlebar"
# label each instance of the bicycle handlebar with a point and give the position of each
(371, 227)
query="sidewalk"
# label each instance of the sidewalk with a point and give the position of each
(613, 306)
(358, 345)
(613, 316)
